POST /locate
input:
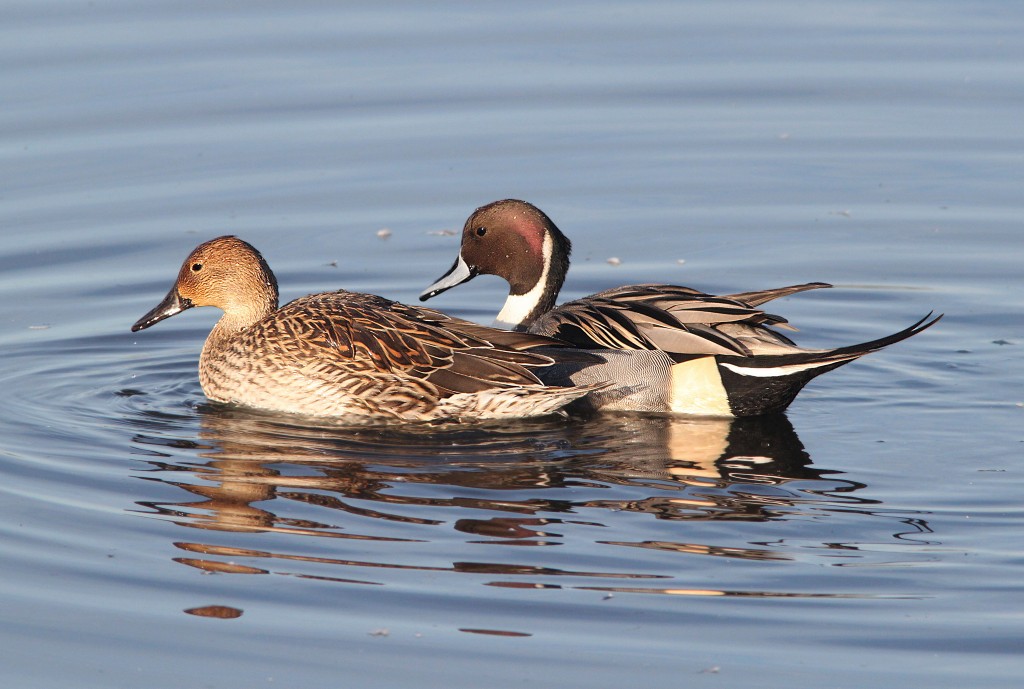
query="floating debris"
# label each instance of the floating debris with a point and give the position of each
(384, 233)
(680, 261)
(614, 261)
(380, 632)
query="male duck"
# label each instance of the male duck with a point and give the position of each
(685, 351)
(350, 355)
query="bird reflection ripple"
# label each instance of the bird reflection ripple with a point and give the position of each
(537, 504)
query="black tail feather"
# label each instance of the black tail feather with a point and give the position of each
(754, 395)
(848, 353)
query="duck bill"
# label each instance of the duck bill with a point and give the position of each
(172, 304)
(459, 272)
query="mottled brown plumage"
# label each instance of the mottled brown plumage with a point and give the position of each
(349, 355)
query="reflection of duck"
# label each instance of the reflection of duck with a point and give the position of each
(713, 469)
(414, 499)
(666, 348)
(691, 449)
(355, 356)
(668, 463)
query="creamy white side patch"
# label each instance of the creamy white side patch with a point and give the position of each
(697, 388)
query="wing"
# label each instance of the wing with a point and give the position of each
(758, 298)
(365, 336)
(674, 319)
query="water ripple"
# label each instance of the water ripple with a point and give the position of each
(542, 505)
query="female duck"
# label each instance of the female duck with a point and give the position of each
(355, 356)
(669, 348)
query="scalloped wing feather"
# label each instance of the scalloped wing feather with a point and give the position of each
(351, 334)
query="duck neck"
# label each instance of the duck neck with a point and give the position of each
(240, 317)
(523, 307)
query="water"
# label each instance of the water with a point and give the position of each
(869, 539)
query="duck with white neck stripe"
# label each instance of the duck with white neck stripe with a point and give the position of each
(666, 348)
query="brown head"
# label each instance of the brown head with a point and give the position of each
(224, 272)
(514, 240)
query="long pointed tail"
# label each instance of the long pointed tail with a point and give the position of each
(767, 383)
(851, 352)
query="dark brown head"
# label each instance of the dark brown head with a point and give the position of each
(514, 240)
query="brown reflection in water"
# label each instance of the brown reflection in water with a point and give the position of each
(711, 593)
(221, 612)
(700, 549)
(739, 594)
(508, 530)
(493, 632)
(522, 585)
(218, 567)
(252, 473)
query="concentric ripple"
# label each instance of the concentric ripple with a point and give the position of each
(622, 504)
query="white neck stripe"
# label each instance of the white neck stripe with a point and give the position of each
(518, 307)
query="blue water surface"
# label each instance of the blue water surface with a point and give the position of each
(869, 538)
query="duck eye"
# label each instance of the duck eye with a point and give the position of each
(196, 267)
(481, 231)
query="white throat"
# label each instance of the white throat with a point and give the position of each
(518, 307)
